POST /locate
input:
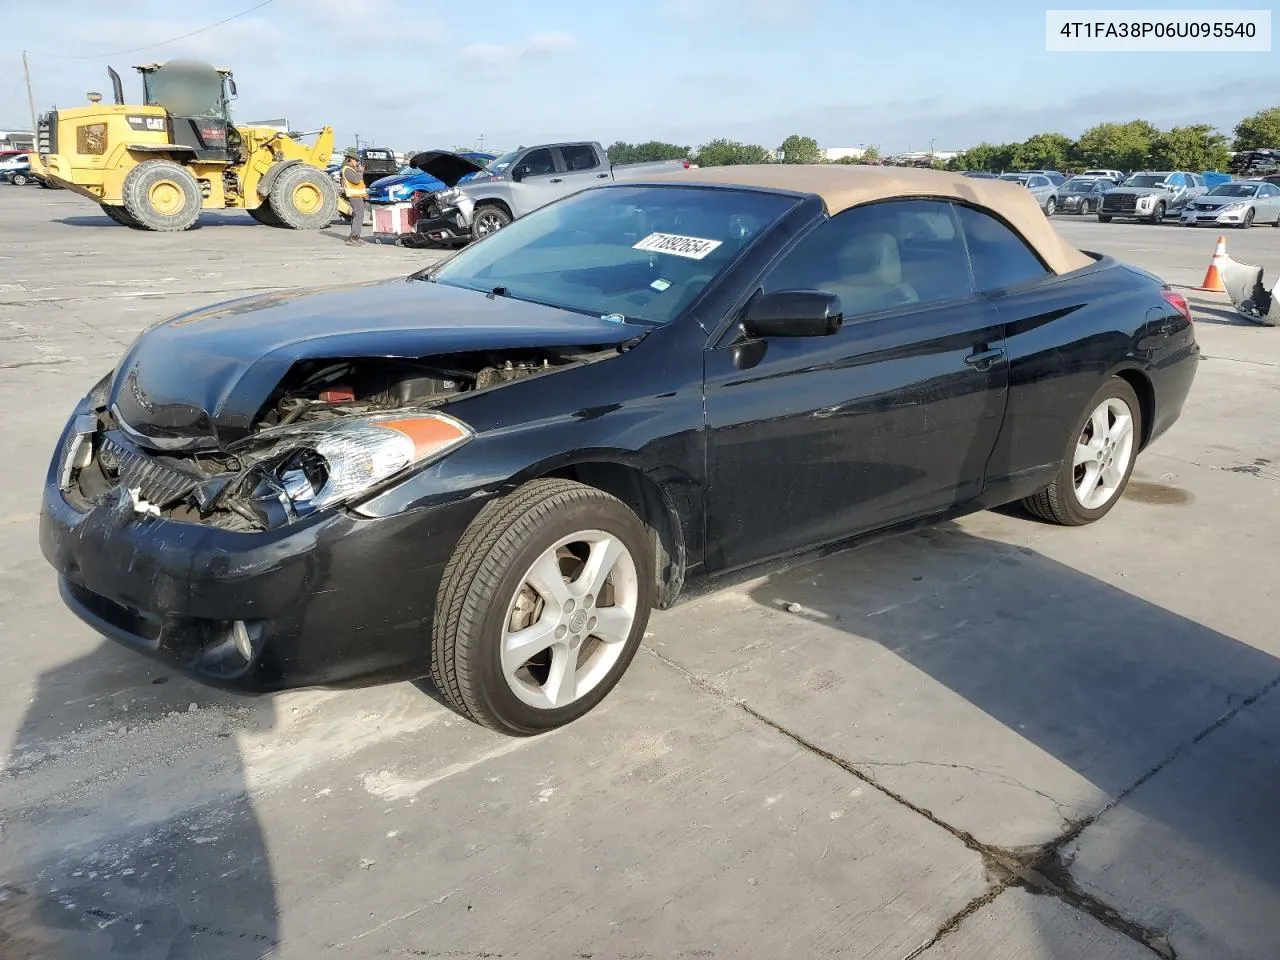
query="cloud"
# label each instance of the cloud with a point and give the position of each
(539, 45)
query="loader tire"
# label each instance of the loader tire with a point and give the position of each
(265, 215)
(120, 215)
(303, 198)
(162, 195)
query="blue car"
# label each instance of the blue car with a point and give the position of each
(402, 186)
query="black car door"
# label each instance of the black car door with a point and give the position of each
(814, 439)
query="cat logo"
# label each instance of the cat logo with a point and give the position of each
(156, 124)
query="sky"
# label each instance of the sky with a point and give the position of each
(421, 74)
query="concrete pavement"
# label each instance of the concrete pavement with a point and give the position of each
(990, 739)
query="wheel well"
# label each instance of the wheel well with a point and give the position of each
(1146, 400)
(495, 203)
(647, 501)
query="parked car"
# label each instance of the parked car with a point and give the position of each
(491, 471)
(1041, 188)
(1241, 203)
(523, 181)
(413, 180)
(16, 169)
(1083, 194)
(1058, 179)
(981, 175)
(1151, 195)
(1116, 176)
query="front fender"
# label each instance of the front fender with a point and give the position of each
(273, 172)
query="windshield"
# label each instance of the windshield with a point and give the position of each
(186, 89)
(504, 161)
(643, 253)
(1144, 180)
(1234, 190)
(1078, 186)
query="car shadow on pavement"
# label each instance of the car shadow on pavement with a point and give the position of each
(1085, 695)
(206, 220)
(128, 828)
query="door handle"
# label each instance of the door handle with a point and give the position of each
(984, 358)
(557, 179)
(602, 176)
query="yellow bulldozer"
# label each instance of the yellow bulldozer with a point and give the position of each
(158, 165)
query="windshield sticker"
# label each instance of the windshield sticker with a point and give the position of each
(614, 318)
(692, 248)
(660, 284)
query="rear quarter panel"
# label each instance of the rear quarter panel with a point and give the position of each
(1065, 338)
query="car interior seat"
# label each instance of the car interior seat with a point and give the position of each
(870, 274)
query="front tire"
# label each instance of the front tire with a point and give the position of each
(1247, 222)
(162, 195)
(1098, 460)
(1050, 207)
(265, 215)
(1157, 215)
(120, 215)
(303, 198)
(19, 180)
(542, 607)
(488, 218)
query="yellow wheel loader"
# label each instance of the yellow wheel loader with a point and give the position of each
(156, 166)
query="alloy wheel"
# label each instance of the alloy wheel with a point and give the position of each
(487, 224)
(1103, 452)
(569, 620)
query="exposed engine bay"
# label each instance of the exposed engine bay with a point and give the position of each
(294, 458)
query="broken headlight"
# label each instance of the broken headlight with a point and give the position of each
(448, 197)
(305, 468)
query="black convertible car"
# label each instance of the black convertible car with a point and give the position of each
(491, 471)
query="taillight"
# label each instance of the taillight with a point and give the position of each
(686, 164)
(1178, 302)
(419, 196)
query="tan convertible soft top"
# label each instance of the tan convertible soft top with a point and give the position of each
(842, 186)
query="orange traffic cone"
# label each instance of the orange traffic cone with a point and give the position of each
(1212, 278)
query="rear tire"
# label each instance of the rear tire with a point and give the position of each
(162, 195)
(121, 216)
(1103, 445)
(493, 582)
(303, 198)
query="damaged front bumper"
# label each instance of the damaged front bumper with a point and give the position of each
(1249, 293)
(334, 599)
(448, 223)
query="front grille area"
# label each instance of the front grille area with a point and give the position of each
(155, 481)
(1124, 203)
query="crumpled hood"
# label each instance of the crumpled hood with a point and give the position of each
(203, 377)
(448, 168)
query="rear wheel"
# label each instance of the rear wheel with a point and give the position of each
(488, 218)
(1098, 460)
(303, 198)
(121, 216)
(542, 607)
(162, 195)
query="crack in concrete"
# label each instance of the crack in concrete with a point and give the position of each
(992, 774)
(1040, 869)
(50, 362)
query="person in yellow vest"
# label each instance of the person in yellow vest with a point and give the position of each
(355, 191)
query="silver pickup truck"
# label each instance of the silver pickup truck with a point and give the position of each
(518, 182)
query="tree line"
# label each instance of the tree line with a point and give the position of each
(1134, 145)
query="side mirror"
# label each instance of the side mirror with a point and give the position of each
(517, 173)
(231, 83)
(793, 313)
